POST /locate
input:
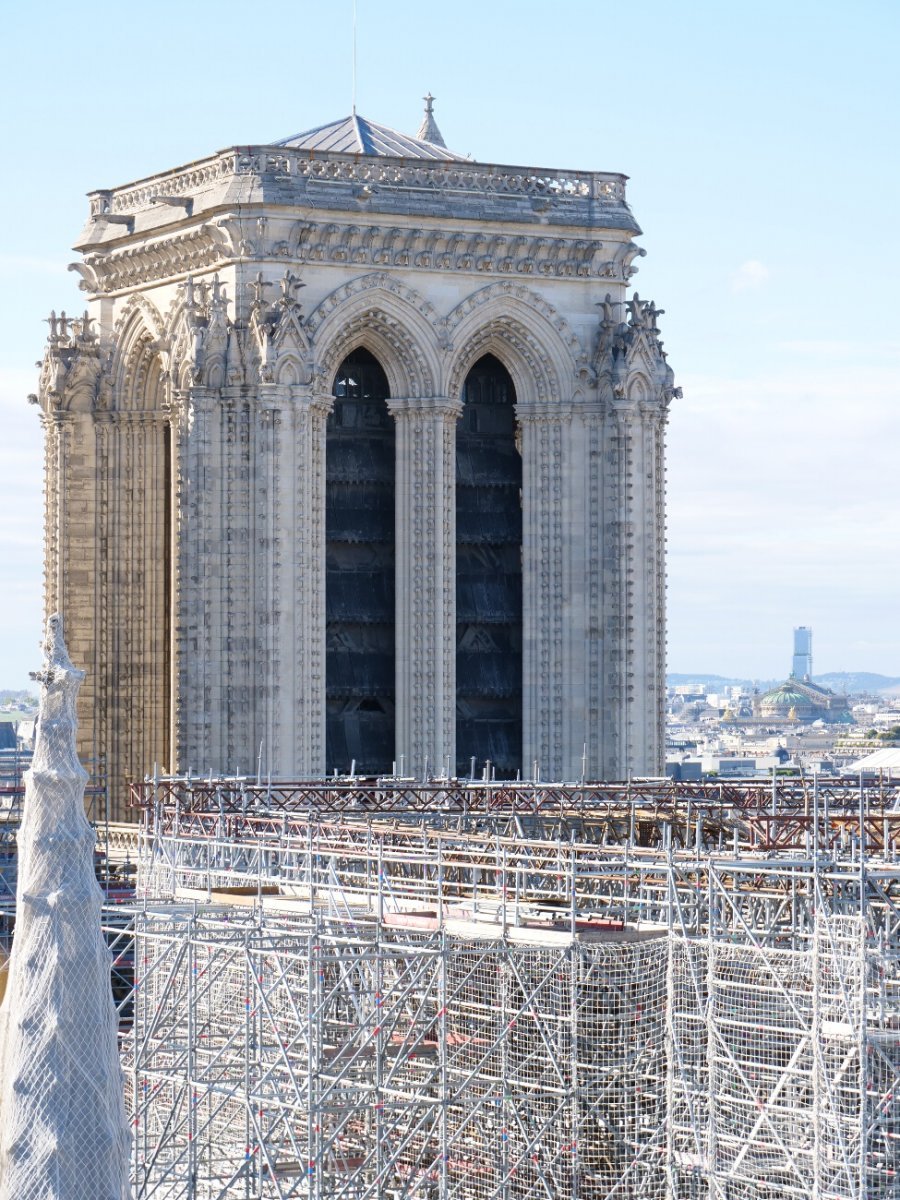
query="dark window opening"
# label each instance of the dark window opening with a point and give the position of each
(359, 570)
(488, 574)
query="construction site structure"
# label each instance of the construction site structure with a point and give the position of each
(473, 992)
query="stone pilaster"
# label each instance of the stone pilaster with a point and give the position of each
(584, 628)
(309, 583)
(545, 585)
(618, 580)
(425, 533)
(290, 542)
(634, 592)
(197, 635)
(653, 585)
(73, 558)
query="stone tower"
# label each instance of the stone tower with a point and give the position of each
(357, 455)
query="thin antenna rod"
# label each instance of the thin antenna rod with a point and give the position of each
(354, 58)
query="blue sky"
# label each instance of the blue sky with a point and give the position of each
(761, 140)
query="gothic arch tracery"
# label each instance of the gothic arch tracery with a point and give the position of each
(532, 371)
(394, 322)
(138, 369)
(533, 341)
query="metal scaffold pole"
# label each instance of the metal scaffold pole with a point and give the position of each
(622, 993)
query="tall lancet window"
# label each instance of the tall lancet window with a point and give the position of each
(488, 574)
(359, 570)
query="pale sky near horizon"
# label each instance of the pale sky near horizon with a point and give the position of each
(761, 141)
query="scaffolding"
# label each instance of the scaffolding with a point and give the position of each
(347, 993)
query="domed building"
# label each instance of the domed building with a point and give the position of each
(799, 699)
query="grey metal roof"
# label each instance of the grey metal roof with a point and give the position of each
(356, 135)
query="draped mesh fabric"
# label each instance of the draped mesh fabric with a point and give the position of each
(63, 1130)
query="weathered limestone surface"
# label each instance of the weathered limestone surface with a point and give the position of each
(185, 452)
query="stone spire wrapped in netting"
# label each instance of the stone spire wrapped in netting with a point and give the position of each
(63, 1130)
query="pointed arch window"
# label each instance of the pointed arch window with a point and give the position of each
(359, 570)
(488, 574)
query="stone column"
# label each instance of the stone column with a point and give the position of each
(197, 634)
(425, 553)
(634, 600)
(310, 416)
(295, 535)
(545, 588)
(618, 593)
(134, 532)
(584, 632)
(73, 565)
(651, 666)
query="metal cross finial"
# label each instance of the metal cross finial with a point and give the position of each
(429, 104)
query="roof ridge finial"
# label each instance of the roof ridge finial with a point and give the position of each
(428, 130)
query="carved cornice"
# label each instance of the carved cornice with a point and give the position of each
(478, 252)
(167, 258)
(361, 244)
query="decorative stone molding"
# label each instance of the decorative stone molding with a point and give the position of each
(556, 189)
(408, 406)
(441, 249)
(74, 372)
(630, 362)
(379, 282)
(357, 243)
(133, 266)
(281, 344)
(391, 320)
(531, 338)
(154, 321)
(526, 359)
(197, 334)
(522, 297)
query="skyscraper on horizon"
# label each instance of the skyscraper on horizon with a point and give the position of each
(802, 661)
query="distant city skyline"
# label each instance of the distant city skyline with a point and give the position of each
(760, 172)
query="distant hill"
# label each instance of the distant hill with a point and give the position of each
(843, 682)
(713, 682)
(854, 682)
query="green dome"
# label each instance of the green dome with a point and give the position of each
(784, 696)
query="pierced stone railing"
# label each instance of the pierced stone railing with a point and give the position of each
(366, 172)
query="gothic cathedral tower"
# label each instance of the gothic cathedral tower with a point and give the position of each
(357, 456)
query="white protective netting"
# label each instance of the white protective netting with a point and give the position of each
(63, 1130)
